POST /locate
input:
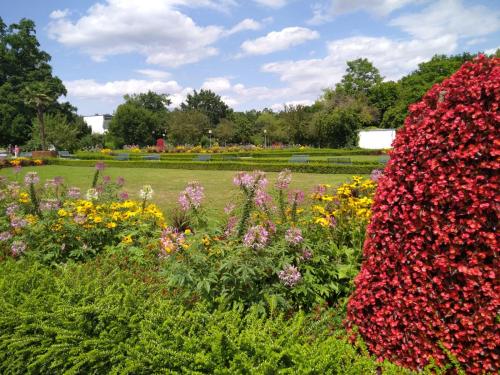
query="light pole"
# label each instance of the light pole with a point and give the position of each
(210, 137)
(265, 138)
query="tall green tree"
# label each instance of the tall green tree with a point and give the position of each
(209, 103)
(23, 67)
(188, 127)
(413, 86)
(140, 120)
(57, 132)
(361, 75)
(38, 96)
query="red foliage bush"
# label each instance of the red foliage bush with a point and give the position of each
(429, 277)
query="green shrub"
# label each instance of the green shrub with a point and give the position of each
(96, 318)
(228, 165)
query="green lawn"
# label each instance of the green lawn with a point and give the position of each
(167, 183)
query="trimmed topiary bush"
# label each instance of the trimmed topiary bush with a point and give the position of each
(428, 286)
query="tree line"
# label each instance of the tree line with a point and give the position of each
(31, 114)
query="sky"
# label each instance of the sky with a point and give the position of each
(253, 53)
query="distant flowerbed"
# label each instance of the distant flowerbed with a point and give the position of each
(21, 162)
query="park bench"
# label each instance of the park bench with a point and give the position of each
(299, 159)
(151, 157)
(65, 154)
(340, 160)
(25, 155)
(383, 159)
(229, 157)
(203, 158)
(122, 157)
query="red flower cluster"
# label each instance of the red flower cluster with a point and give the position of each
(429, 278)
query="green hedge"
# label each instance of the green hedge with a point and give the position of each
(228, 165)
(255, 154)
(96, 318)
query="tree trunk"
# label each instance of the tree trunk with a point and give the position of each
(42, 128)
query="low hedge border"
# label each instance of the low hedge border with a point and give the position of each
(255, 154)
(227, 165)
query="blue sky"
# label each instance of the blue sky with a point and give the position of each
(254, 53)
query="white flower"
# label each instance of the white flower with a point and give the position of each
(92, 194)
(146, 192)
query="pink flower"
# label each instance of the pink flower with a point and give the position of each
(262, 199)
(191, 196)
(74, 192)
(256, 237)
(294, 236)
(284, 179)
(229, 208)
(290, 276)
(100, 166)
(296, 197)
(123, 195)
(254, 180)
(31, 178)
(17, 248)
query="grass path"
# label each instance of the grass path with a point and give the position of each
(167, 183)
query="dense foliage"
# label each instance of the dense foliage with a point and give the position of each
(103, 318)
(428, 286)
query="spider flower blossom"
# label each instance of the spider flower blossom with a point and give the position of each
(296, 197)
(123, 196)
(229, 208)
(146, 192)
(262, 199)
(376, 174)
(17, 248)
(254, 180)
(92, 194)
(290, 276)
(171, 241)
(74, 192)
(256, 237)
(4, 236)
(31, 178)
(49, 204)
(191, 196)
(11, 209)
(294, 236)
(284, 179)
(100, 166)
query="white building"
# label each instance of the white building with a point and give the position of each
(98, 123)
(376, 139)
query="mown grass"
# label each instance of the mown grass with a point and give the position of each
(167, 183)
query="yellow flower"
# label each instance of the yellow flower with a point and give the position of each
(56, 227)
(127, 239)
(187, 232)
(97, 219)
(24, 198)
(38, 162)
(62, 212)
(322, 221)
(111, 225)
(31, 219)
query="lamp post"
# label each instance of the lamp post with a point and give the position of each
(210, 137)
(265, 138)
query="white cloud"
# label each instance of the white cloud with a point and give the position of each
(246, 24)
(272, 3)
(326, 11)
(449, 17)
(278, 40)
(56, 14)
(155, 29)
(393, 58)
(491, 51)
(216, 84)
(153, 73)
(89, 88)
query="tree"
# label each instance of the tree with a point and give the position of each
(274, 126)
(360, 77)
(383, 96)
(39, 97)
(225, 131)
(209, 103)
(57, 131)
(187, 127)
(23, 68)
(428, 285)
(140, 120)
(150, 100)
(296, 119)
(412, 87)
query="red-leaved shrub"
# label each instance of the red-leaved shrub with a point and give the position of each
(429, 277)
